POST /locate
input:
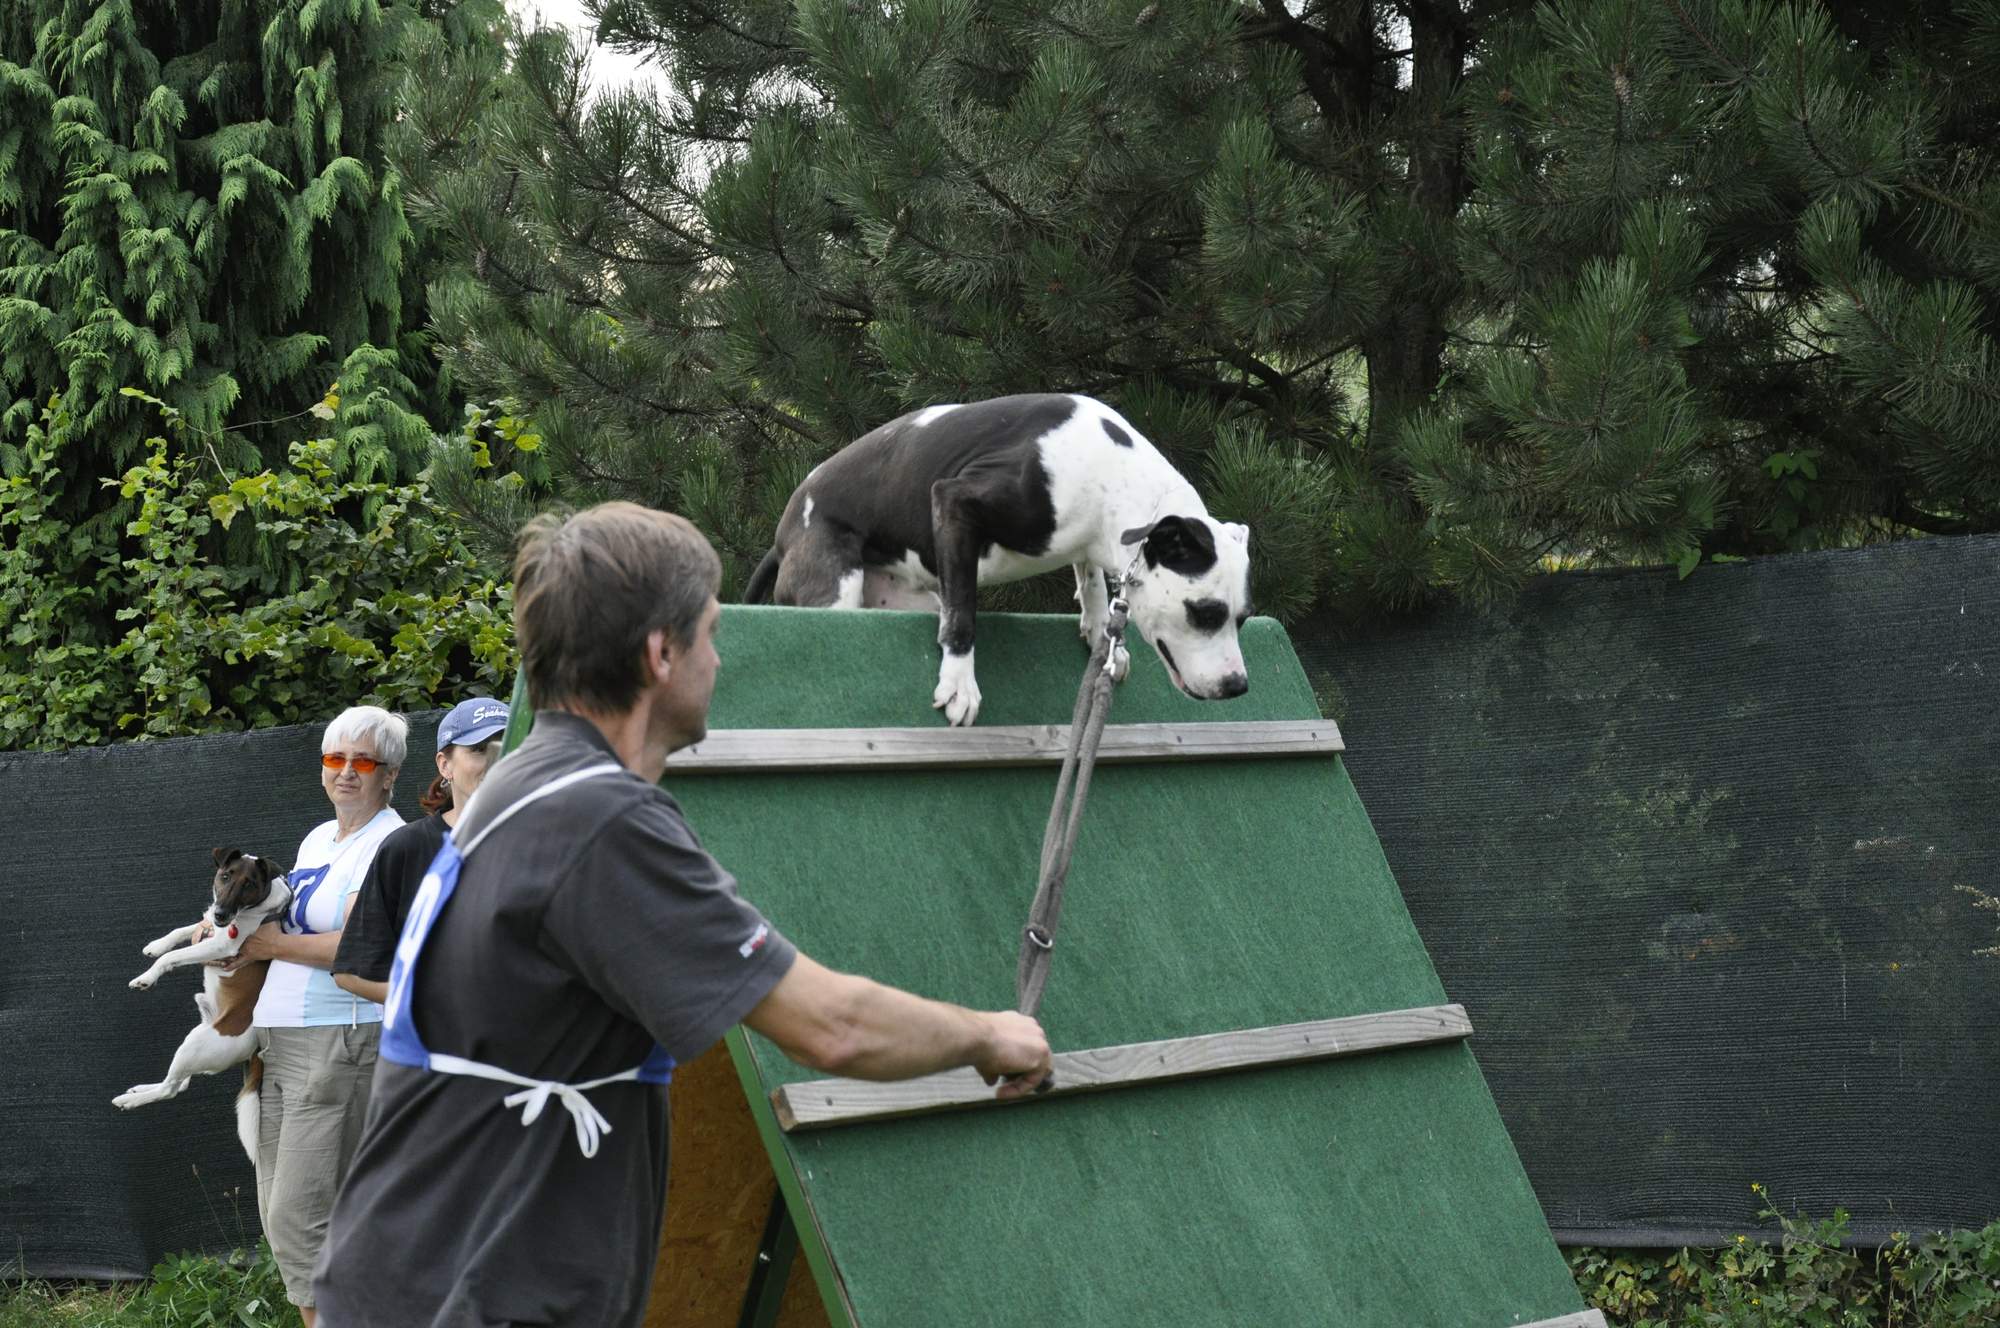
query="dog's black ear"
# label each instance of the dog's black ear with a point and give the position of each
(223, 855)
(1135, 534)
(1180, 544)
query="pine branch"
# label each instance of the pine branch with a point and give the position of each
(585, 243)
(1619, 101)
(484, 258)
(561, 119)
(784, 419)
(1312, 46)
(714, 20)
(1804, 119)
(1964, 209)
(1888, 337)
(1715, 52)
(1908, 514)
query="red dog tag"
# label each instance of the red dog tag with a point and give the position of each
(232, 931)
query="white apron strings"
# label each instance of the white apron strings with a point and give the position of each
(590, 1123)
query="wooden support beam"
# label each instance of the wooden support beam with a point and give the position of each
(822, 1102)
(725, 751)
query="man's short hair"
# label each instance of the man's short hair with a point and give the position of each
(590, 588)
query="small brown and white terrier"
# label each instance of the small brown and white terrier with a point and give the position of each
(248, 891)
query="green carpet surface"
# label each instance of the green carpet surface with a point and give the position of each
(1377, 1192)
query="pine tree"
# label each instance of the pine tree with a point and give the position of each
(1429, 293)
(1735, 263)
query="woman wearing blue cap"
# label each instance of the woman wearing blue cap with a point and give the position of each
(468, 742)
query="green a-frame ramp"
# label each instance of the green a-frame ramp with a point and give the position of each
(1378, 1191)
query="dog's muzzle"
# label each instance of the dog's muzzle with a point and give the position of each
(1230, 684)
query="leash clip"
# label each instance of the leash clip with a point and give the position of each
(1038, 937)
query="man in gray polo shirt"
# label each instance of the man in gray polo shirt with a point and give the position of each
(572, 942)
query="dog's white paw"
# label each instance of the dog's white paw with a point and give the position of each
(960, 704)
(957, 691)
(143, 981)
(138, 1095)
(154, 949)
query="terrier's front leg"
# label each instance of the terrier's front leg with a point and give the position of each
(218, 946)
(154, 949)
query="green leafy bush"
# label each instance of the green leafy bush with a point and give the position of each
(1806, 1278)
(234, 600)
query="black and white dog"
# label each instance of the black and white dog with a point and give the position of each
(922, 511)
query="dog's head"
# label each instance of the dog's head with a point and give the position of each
(243, 883)
(1188, 592)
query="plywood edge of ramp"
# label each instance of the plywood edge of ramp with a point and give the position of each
(818, 1103)
(812, 1238)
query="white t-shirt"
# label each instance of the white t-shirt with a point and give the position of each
(324, 876)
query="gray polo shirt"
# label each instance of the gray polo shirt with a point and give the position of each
(584, 929)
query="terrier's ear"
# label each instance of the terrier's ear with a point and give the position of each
(1136, 533)
(223, 855)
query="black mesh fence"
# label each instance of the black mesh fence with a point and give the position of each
(1686, 851)
(101, 850)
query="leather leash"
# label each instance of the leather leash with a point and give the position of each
(1086, 728)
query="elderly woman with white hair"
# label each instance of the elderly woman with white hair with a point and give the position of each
(318, 1041)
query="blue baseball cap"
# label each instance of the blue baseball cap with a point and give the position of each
(472, 722)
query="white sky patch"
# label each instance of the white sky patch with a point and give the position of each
(608, 68)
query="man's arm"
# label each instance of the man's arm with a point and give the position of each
(850, 1026)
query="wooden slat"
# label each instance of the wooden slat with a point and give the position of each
(727, 750)
(823, 1102)
(1584, 1319)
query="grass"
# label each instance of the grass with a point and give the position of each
(1804, 1277)
(185, 1291)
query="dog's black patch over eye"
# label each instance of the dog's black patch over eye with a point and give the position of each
(1178, 543)
(1116, 434)
(1207, 615)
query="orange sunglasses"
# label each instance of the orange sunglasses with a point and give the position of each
(363, 765)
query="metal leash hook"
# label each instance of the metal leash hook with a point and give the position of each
(1086, 729)
(1114, 628)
